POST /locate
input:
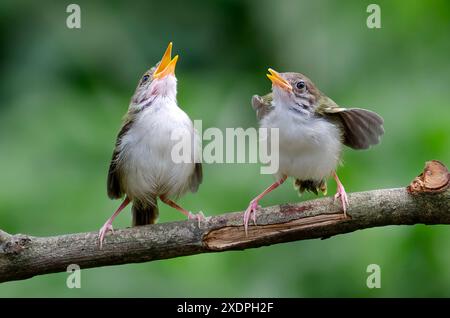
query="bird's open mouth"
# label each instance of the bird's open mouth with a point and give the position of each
(277, 80)
(167, 64)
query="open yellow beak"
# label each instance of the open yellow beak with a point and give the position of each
(277, 80)
(167, 65)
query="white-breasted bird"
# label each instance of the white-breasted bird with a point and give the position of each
(312, 131)
(142, 167)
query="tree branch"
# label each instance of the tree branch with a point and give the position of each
(426, 201)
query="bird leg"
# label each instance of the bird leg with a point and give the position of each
(108, 224)
(253, 206)
(191, 216)
(341, 194)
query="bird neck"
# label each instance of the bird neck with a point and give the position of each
(165, 88)
(292, 107)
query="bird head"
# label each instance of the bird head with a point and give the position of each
(294, 90)
(158, 81)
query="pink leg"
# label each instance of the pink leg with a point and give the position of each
(199, 216)
(253, 206)
(108, 224)
(341, 194)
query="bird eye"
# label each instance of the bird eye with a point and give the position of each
(145, 78)
(300, 85)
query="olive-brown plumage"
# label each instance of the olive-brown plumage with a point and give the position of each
(312, 129)
(142, 168)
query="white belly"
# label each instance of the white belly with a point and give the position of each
(309, 148)
(147, 154)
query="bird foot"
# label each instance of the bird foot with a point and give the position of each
(342, 195)
(198, 216)
(250, 212)
(101, 234)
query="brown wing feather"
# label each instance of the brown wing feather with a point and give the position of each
(114, 188)
(262, 105)
(362, 128)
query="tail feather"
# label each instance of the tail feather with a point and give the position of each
(144, 214)
(311, 186)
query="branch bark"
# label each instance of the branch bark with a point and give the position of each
(426, 200)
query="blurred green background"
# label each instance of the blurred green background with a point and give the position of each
(63, 93)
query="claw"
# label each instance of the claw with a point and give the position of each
(199, 216)
(250, 212)
(101, 234)
(253, 206)
(108, 224)
(342, 195)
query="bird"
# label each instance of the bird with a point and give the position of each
(312, 131)
(142, 168)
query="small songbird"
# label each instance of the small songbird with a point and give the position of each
(142, 167)
(312, 130)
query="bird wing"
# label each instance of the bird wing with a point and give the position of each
(114, 188)
(262, 105)
(362, 128)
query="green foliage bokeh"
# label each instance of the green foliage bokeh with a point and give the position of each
(63, 93)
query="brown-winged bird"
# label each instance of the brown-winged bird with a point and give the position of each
(312, 131)
(143, 168)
